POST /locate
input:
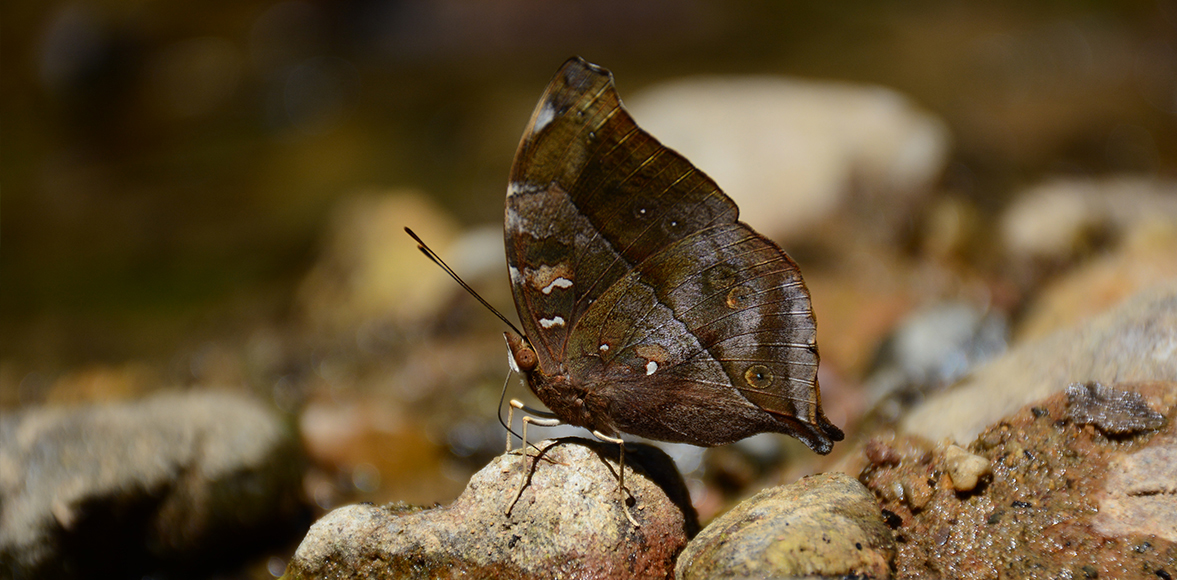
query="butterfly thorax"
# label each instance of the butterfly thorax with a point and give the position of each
(570, 402)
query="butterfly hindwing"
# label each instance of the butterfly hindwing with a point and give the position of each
(730, 342)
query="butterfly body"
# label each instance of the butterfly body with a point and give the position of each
(648, 307)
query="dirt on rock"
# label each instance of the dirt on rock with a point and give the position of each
(1038, 514)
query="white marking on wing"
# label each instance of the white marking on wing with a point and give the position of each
(545, 116)
(651, 367)
(550, 322)
(557, 283)
(514, 221)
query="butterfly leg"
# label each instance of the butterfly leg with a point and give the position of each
(540, 418)
(620, 478)
(510, 421)
(544, 420)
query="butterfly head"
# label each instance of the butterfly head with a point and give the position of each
(521, 356)
(563, 399)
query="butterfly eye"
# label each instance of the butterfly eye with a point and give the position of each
(738, 297)
(758, 376)
(526, 360)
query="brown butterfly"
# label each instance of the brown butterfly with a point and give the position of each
(648, 307)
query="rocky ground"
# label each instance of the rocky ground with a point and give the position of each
(1006, 377)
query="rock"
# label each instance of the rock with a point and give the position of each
(181, 479)
(1064, 500)
(567, 522)
(1064, 218)
(1140, 498)
(363, 273)
(1115, 412)
(791, 152)
(951, 229)
(822, 525)
(385, 448)
(1148, 256)
(964, 468)
(934, 347)
(1136, 341)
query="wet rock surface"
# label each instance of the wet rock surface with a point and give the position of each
(1113, 411)
(1064, 499)
(1132, 342)
(179, 480)
(825, 525)
(567, 521)
(1140, 497)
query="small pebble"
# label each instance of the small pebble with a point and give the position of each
(917, 492)
(964, 468)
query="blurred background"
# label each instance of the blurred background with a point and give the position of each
(213, 195)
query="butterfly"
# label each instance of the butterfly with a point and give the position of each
(648, 308)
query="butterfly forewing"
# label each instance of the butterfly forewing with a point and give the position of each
(584, 165)
(634, 278)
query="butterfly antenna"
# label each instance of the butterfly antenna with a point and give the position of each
(502, 399)
(429, 253)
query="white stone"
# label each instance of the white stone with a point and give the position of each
(1052, 219)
